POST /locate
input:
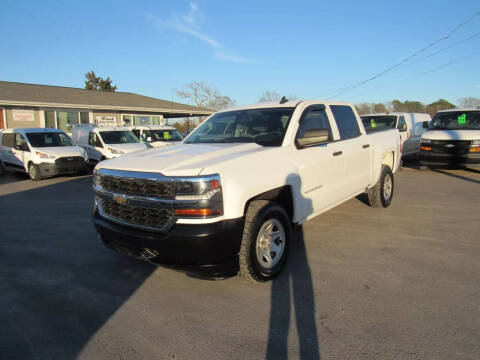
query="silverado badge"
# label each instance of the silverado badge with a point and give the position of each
(120, 199)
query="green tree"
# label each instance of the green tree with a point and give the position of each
(379, 108)
(97, 83)
(408, 106)
(440, 104)
(363, 108)
(469, 102)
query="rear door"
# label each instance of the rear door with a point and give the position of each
(356, 150)
(321, 167)
(7, 149)
(412, 144)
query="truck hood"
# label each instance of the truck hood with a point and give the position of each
(163, 143)
(127, 148)
(182, 159)
(451, 135)
(61, 150)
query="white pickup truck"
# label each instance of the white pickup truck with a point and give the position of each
(224, 201)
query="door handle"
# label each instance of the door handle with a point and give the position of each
(337, 153)
(366, 146)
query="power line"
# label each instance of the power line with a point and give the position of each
(418, 75)
(433, 43)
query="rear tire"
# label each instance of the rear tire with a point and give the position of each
(34, 172)
(265, 241)
(382, 193)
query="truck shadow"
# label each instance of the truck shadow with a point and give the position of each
(58, 283)
(457, 176)
(295, 285)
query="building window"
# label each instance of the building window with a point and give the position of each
(67, 120)
(156, 120)
(50, 119)
(141, 120)
(84, 118)
(127, 120)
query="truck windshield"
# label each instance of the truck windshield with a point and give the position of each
(456, 120)
(118, 137)
(265, 127)
(166, 135)
(48, 139)
(378, 123)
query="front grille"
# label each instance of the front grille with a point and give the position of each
(453, 147)
(136, 215)
(137, 187)
(70, 161)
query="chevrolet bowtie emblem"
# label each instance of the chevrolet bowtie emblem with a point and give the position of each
(120, 199)
(450, 145)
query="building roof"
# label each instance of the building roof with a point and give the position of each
(19, 94)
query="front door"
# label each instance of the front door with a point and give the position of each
(321, 167)
(19, 151)
(92, 148)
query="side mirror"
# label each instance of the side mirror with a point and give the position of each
(314, 137)
(23, 147)
(425, 124)
(149, 139)
(403, 128)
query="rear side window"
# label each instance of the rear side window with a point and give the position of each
(8, 140)
(346, 121)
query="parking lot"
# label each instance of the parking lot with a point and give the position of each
(362, 283)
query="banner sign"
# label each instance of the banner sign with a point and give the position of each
(23, 115)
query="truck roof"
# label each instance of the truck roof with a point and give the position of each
(394, 113)
(152, 127)
(32, 130)
(290, 103)
(460, 109)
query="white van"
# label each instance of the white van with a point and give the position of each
(410, 125)
(452, 139)
(40, 152)
(157, 135)
(103, 143)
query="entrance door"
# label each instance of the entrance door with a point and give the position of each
(2, 120)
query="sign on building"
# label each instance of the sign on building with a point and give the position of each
(23, 115)
(106, 120)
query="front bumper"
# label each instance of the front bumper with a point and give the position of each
(446, 159)
(54, 169)
(209, 250)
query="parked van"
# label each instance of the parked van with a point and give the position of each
(40, 152)
(103, 143)
(410, 125)
(157, 135)
(452, 139)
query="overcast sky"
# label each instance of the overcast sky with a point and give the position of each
(312, 49)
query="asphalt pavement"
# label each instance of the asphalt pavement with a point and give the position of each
(361, 283)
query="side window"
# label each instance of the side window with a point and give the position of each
(94, 140)
(402, 124)
(314, 119)
(91, 139)
(137, 133)
(8, 140)
(346, 121)
(21, 143)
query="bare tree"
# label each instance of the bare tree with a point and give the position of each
(203, 95)
(469, 102)
(363, 108)
(273, 96)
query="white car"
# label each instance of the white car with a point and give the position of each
(102, 143)
(410, 125)
(225, 199)
(40, 152)
(157, 135)
(452, 139)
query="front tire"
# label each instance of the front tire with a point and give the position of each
(382, 193)
(34, 172)
(265, 241)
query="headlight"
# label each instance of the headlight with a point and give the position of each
(198, 196)
(476, 142)
(44, 156)
(96, 178)
(115, 151)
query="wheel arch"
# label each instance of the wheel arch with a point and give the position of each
(281, 195)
